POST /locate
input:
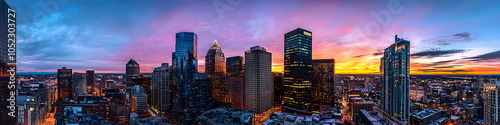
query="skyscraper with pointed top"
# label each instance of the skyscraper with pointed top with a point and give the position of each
(215, 67)
(395, 91)
(131, 68)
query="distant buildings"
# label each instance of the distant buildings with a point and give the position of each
(258, 80)
(64, 83)
(215, 66)
(235, 81)
(131, 68)
(323, 83)
(395, 91)
(298, 71)
(492, 103)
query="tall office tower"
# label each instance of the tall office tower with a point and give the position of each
(131, 68)
(338, 89)
(492, 104)
(64, 83)
(235, 81)
(8, 111)
(215, 66)
(139, 103)
(395, 97)
(79, 83)
(258, 80)
(186, 102)
(161, 89)
(298, 72)
(90, 77)
(323, 83)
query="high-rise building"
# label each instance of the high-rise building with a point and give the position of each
(215, 66)
(161, 89)
(8, 111)
(492, 104)
(395, 91)
(189, 100)
(79, 83)
(298, 72)
(90, 77)
(139, 103)
(64, 83)
(131, 68)
(323, 83)
(235, 81)
(258, 80)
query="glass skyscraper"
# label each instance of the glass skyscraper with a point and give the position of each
(298, 71)
(188, 96)
(64, 83)
(235, 81)
(395, 71)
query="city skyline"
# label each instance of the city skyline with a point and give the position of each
(446, 39)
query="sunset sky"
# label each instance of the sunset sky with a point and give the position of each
(447, 37)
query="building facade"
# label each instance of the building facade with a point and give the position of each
(298, 72)
(235, 81)
(492, 104)
(395, 91)
(64, 83)
(323, 83)
(161, 89)
(258, 80)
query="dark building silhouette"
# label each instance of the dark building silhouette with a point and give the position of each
(298, 72)
(215, 66)
(131, 68)
(90, 77)
(235, 81)
(395, 91)
(8, 112)
(278, 89)
(64, 83)
(323, 83)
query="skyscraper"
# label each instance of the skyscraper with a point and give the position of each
(79, 84)
(139, 103)
(215, 66)
(131, 68)
(90, 77)
(64, 83)
(298, 71)
(323, 83)
(235, 81)
(8, 111)
(258, 80)
(492, 104)
(161, 89)
(395, 97)
(189, 95)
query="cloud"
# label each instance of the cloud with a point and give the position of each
(485, 57)
(444, 70)
(437, 53)
(446, 40)
(359, 56)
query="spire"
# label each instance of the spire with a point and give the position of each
(215, 45)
